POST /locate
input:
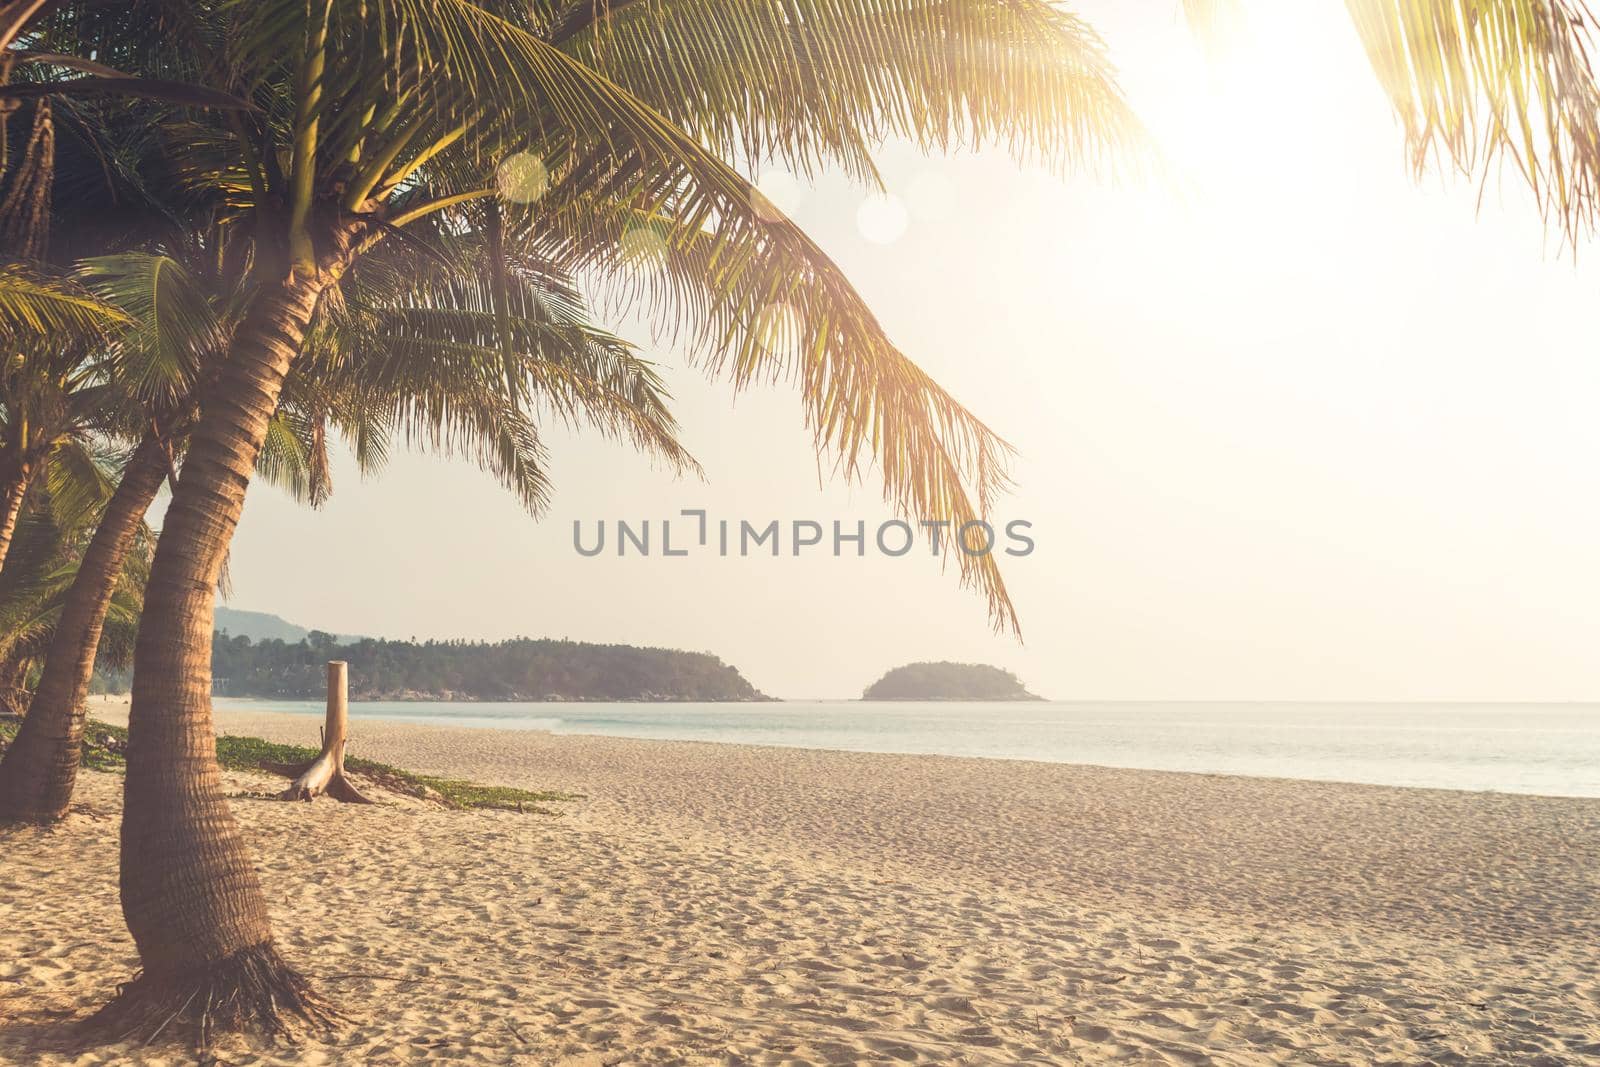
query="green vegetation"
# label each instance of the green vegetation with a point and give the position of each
(105, 745)
(520, 669)
(948, 681)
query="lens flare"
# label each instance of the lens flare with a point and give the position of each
(642, 244)
(522, 178)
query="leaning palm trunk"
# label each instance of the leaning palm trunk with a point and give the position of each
(16, 491)
(41, 766)
(189, 889)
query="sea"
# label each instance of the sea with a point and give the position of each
(1549, 749)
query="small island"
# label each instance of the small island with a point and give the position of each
(948, 681)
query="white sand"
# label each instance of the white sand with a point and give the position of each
(713, 904)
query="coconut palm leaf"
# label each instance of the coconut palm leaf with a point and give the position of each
(812, 81)
(409, 348)
(415, 329)
(141, 88)
(284, 461)
(1476, 81)
(174, 327)
(39, 572)
(79, 477)
(34, 304)
(427, 366)
(101, 31)
(774, 308)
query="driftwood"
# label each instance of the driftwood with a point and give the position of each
(325, 774)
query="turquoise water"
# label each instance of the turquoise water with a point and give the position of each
(1551, 749)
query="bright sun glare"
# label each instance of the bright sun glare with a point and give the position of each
(1244, 130)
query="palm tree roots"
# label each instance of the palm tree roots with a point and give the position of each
(252, 991)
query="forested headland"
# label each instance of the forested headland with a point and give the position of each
(517, 669)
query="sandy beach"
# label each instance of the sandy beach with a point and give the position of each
(711, 904)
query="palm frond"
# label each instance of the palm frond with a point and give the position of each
(1212, 21)
(143, 88)
(763, 303)
(38, 575)
(817, 81)
(40, 306)
(1475, 81)
(33, 584)
(433, 327)
(174, 328)
(284, 461)
(78, 480)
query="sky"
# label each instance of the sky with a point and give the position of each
(1295, 427)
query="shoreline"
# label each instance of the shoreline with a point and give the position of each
(117, 706)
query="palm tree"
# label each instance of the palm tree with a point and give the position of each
(391, 118)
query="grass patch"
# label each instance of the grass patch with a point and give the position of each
(105, 747)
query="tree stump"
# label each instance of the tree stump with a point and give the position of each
(325, 774)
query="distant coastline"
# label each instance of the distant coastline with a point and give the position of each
(519, 670)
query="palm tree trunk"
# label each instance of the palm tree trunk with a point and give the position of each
(41, 766)
(189, 889)
(16, 490)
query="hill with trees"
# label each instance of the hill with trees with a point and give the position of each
(518, 669)
(948, 681)
(261, 626)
